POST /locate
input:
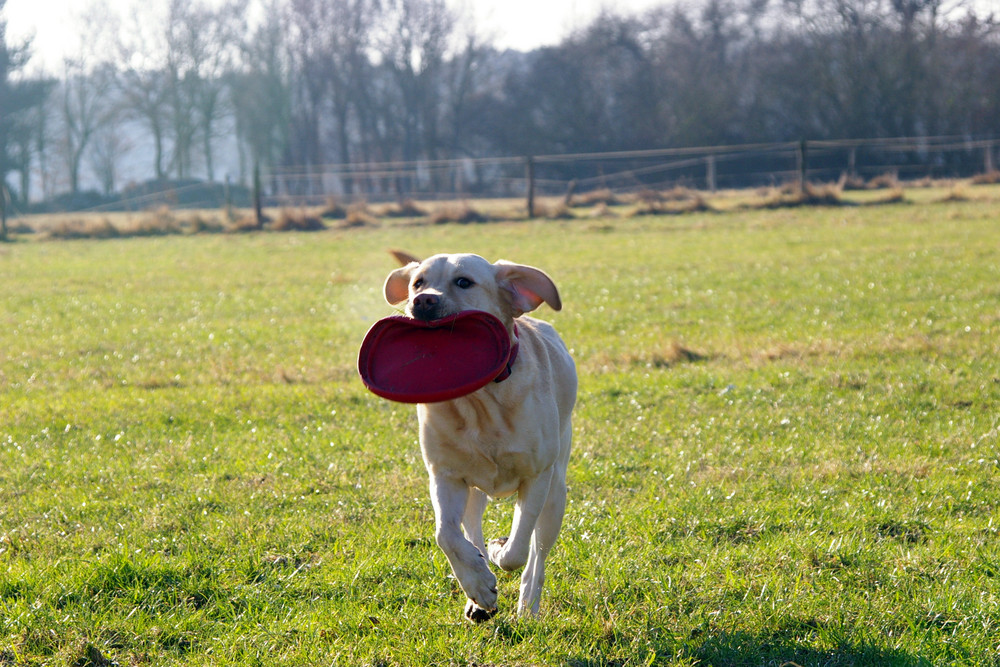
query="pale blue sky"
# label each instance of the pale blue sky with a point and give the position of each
(519, 24)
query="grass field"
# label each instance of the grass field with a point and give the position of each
(786, 448)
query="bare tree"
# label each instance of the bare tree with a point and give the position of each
(312, 25)
(351, 40)
(416, 41)
(84, 99)
(418, 44)
(259, 90)
(84, 102)
(215, 50)
(109, 144)
(142, 80)
(182, 79)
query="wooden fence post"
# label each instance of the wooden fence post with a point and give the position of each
(803, 164)
(4, 200)
(710, 172)
(258, 208)
(531, 186)
(227, 195)
(570, 189)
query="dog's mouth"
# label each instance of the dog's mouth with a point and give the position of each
(427, 313)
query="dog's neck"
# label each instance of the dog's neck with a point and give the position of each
(509, 368)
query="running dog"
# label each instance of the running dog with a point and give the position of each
(510, 437)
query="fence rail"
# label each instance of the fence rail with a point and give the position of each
(704, 168)
(707, 168)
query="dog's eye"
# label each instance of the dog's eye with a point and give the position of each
(418, 283)
(464, 283)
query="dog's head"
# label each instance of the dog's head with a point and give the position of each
(447, 284)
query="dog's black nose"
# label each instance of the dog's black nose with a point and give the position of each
(425, 306)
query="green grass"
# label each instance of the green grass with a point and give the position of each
(190, 472)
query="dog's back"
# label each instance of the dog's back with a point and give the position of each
(554, 364)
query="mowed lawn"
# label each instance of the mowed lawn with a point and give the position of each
(786, 448)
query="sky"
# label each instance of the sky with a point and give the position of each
(516, 24)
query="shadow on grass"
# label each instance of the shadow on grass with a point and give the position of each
(740, 649)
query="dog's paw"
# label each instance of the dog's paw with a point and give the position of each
(476, 614)
(495, 549)
(476, 580)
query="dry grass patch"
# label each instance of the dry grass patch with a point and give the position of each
(17, 226)
(297, 221)
(954, 195)
(160, 221)
(675, 194)
(462, 213)
(404, 209)
(888, 181)
(333, 210)
(560, 211)
(777, 352)
(82, 228)
(246, 223)
(197, 223)
(988, 178)
(672, 354)
(853, 183)
(359, 215)
(676, 353)
(894, 196)
(601, 211)
(928, 182)
(818, 194)
(674, 202)
(594, 197)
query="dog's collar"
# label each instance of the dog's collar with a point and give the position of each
(508, 369)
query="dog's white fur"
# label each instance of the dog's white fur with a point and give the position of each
(508, 437)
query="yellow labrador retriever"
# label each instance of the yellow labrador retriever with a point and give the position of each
(511, 436)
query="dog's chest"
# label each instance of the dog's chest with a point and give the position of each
(482, 442)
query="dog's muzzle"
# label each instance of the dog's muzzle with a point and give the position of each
(426, 306)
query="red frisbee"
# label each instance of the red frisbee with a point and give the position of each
(412, 361)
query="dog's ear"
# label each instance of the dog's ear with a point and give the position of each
(527, 286)
(403, 257)
(397, 285)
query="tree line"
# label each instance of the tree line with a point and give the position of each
(305, 83)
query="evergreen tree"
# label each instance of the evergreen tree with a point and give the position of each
(17, 99)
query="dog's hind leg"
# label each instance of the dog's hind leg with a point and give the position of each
(510, 553)
(542, 541)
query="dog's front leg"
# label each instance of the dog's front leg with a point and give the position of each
(472, 522)
(450, 499)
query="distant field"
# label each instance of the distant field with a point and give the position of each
(786, 447)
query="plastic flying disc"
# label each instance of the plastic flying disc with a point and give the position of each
(413, 361)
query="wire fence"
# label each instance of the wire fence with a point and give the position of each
(703, 168)
(708, 168)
